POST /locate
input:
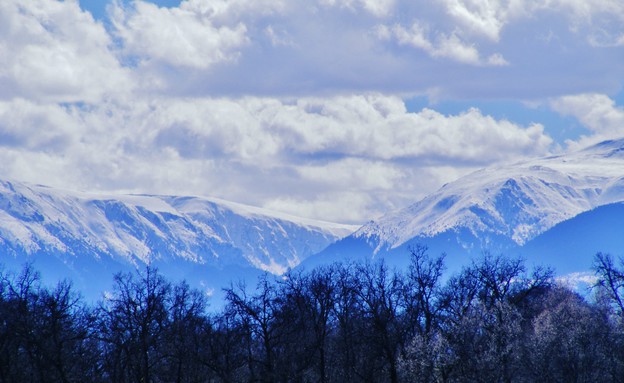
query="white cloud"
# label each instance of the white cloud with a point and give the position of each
(596, 21)
(341, 206)
(465, 31)
(583, 10)
(453, 47)
(279, 37)
(317, 154)
(497, 59)
(343, 174)
(231, 11)
(488, 18)
(481, 17)
(378, 8)
(188, 36)
(37, 127)
(51, 50)
(301, 48)
(293, 104)
(444, 45)
(379, 127)
(597, 112)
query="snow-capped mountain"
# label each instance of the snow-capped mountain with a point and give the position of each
(89, 233)
(517, 201)
(500, 208)
(559, 209)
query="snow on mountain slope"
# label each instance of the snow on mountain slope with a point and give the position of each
(140, 229)
(517, 201)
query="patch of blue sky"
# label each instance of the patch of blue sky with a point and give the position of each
(98, 7)
(619, 98)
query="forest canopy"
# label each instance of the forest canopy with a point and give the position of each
(495, 321)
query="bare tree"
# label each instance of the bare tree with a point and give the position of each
(610, 281)
(132, 326)
(258, 314)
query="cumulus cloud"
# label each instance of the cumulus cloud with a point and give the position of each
(55, 51)
(376, 126)
(37, 127)
(472, 21)
(188, 36)
(483, 18)
(346, 158)
(448, 46)
(488, 18)
(298, 48)
(597, 112)
(472, 32)
(294, 105)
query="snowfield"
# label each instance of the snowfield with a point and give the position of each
(518, 201)
(138, 229)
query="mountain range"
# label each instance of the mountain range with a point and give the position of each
(558, 210)
(88, 237)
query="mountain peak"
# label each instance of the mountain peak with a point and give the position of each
(37, 220)
(517, 202)
(608, 148)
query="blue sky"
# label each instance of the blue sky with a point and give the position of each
(98, 7)
(330, 109)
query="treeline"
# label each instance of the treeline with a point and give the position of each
(494, 321)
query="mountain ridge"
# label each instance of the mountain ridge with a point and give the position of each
(79, 233)
(506, 208)
(500, 209)
(520, 200)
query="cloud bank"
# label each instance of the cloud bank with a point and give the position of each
(270, 152)
(295, 105)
